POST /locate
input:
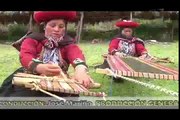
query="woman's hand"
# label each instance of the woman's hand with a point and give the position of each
(120, 54)
(82, 76)
(146, 56)
(48, 69)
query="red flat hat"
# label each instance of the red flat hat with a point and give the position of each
(44, 16)
(127, 23)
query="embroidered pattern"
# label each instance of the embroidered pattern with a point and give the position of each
(51, 51)
(127, 47)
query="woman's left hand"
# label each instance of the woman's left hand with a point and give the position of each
(82, 76)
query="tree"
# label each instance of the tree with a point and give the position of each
(79, 29)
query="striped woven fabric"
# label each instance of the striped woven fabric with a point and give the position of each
(53, 84)
(135, 67)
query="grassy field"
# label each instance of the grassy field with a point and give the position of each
(9, 62)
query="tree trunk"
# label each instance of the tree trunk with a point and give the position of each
(172, 31)
(30, 29)
(79, 29)
(131, 18)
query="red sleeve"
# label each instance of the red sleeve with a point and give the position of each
(140, 49)
(73, 52)
(113, 45)
(28, 51)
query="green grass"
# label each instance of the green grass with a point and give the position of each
(9, 61)
(93, 54)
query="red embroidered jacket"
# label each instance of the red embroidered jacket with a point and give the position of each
(32, 48)
(133, 47)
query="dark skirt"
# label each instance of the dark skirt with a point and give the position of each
(9, 90)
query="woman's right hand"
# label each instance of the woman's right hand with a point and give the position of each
(48, 69)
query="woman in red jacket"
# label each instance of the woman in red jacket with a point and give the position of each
(50, 53)
(127, 44)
